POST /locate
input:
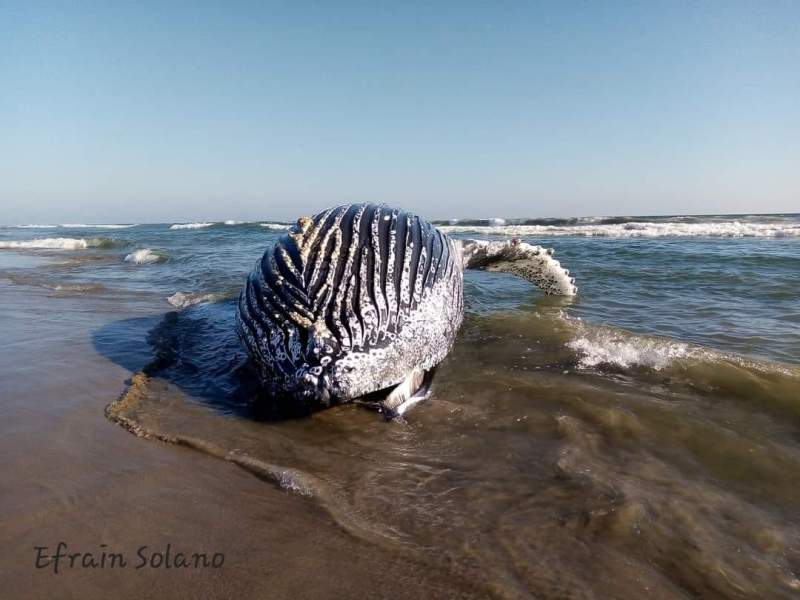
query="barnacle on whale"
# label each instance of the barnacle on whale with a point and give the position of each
(364, 297)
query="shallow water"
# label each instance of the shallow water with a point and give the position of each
(641, 438)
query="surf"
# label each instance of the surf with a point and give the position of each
(600, 453)
(58, 243)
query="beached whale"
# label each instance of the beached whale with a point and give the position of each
(361, 298)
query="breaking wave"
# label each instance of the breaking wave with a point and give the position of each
(514, 458)
(276, 226)
(724, 229)
(144, 256)
(600, 347)
(58, 243)
(609, 347)
(85, 226)
(190, 225)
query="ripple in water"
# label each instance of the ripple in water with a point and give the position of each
(529, 470)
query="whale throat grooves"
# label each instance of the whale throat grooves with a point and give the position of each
(345, 291)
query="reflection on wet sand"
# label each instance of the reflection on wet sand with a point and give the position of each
(70, 475)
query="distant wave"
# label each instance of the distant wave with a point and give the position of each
(732, 229)
(190, 225)
(144, 256)
(233, 222)
(85, 226)
(472, 222)
(59, 243)
(71, 226)
(276, 226)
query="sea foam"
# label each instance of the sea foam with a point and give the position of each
(598, 346)
(85, 226)
(143, 257)
(53, 244)
(603, 347)
(190, 225)
(276, 226)
(731, 229)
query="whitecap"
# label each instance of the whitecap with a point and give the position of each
(276, 226)
(143, 257)
(644, 229)
(190, 225)
(85, 226)
(33, 226)
(49, 243)
(600, 347)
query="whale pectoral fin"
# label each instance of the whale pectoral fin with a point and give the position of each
(404, 396)
(533, 263)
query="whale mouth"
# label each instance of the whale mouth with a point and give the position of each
(375, 400)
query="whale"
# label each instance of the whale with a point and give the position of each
(363, 301)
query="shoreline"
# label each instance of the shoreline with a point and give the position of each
(562, 442)
(80, 478)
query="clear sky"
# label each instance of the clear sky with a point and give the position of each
(168, 111)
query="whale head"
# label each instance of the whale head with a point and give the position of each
(349, 302)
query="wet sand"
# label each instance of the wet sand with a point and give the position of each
(70, 474)
(521, 475)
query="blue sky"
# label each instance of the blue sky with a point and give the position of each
(182, 111)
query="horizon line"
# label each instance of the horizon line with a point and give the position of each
(470, 218)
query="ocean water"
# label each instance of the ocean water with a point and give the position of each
(642, 437)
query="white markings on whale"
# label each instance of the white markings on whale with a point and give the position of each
(362, 297)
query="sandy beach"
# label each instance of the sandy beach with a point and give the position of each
(72, 475)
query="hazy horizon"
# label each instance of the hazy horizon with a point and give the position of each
(150, 114)
(437, 219)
